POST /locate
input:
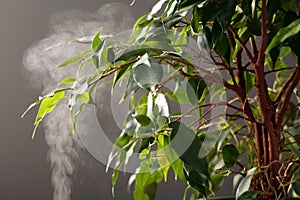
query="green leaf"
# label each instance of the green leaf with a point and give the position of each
(226, 12)
(188, 3)
(296, 182)
(143, 154)
(67, 81)
(47, 105)
(284, 33)
(254, 27)
(75, 59)
(217, 181)
(97, 42)
(224, 49)
(178, 96)
(245, 183)
(85, 97)
(196, 19)
(187, 145)
(142, 119)
(147, 74)
(230, 155)
(145, 143)
(248, 195)
(194, 90)
(250, 81)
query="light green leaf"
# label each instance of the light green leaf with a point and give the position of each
(217, 181)
(284, 33)
(67, 81)
(84, 97)
(75, 59)
(47, 105)
(97, 42)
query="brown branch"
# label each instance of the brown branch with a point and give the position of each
(264, 35)
(243, 45)
(281, 69)
(284, 88)
(286, 99)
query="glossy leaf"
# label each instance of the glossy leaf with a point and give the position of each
(230, 155)
(248, 195)
(97, 42)
(147, 75)
(194, 90)
(245, 183)
(142, 119)
(47, 105)
(284, 33)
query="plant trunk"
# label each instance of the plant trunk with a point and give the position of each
(267, 138)
(267, 150)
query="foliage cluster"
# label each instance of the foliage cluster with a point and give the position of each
(254, 48)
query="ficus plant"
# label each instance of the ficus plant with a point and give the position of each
(197, 56)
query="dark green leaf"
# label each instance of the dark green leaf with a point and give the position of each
(227, 9)
(145, 143)
(250, 81)
(118, 75)
(254, 26)
(224, 49)
(196, 19)
(296, 182)
(284, 33)
(194, 90)
(210, 11)
(133, 53)
(230, 155)
(217, 32)
(123, 140)
(187, 3)
(248, 195)
(294, 44)
(142, 119)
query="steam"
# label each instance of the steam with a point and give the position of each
(41, 61)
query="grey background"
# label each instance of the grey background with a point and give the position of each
(24, 170)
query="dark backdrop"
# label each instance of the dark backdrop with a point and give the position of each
(24, 170)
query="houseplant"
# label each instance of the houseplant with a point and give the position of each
(247, 59)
